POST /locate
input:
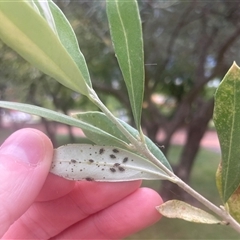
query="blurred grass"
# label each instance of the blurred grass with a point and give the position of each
(202, 179)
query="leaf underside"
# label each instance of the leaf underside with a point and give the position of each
(102, 163)
(100, 120)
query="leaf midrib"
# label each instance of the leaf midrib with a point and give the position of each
(231, 139)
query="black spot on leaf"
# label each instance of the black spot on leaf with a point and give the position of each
(89, 179)
(116, 165)
(121, 169)
(101, 150)
(112, 156)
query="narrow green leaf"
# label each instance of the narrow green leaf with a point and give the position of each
(182, 210)
(126, 33)
(100, 120)
(227, 122)
(102, 163)
(69, 41)
(28, 33)
(62, 118)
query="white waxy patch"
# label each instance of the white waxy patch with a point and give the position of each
(102, 163)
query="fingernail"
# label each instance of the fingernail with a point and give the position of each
(24, 146)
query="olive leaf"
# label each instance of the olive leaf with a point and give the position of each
(126, 33)
(100, 120)
(227, 122)
(57, 55)
(182, 210)
(59, 117)
(102, 163)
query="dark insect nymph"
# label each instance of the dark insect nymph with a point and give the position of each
(112, 156)
(101, 150)
(115, 150)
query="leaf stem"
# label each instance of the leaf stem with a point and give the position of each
(138, 143)
(217, 210)
(95, 99)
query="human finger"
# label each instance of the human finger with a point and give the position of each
(25, 159)
(47, 219)
(55, 187)
(133, 213)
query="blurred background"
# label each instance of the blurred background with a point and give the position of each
(189, 46)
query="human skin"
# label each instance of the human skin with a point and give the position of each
(36, 204)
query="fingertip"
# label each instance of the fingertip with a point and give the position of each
(138, 212)
(25, 160)
(150, 199)
(28, 146)
(124, 218)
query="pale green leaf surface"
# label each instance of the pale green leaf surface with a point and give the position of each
(102, 163)
(126, 33)
(69, 41)
(46, 13)
(27, 32)
(227, 123)
(100, 120)
(59, 117)
(33, 5)
(182, 210)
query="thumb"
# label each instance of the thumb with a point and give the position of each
(25, 159)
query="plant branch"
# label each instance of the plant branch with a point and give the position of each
(138, 144)
(217, 210)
